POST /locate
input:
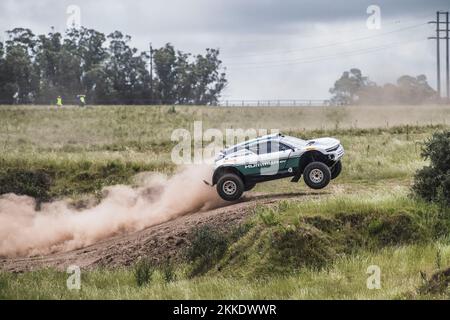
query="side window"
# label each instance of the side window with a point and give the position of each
(253, 148)
(271, 147)
(275, 146)
(267, 147)
(264, 147)
(283, 147)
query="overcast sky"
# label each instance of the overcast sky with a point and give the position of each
(273, 49)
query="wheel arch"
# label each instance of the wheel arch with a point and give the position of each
(226, 169)
(310, 156)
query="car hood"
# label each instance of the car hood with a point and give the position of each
(322, 142)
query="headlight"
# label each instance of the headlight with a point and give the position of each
(333, 148)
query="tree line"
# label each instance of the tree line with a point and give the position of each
(355, 88)
(106, 68)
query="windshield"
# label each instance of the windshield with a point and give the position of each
(293, 141)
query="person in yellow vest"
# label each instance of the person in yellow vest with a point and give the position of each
(59, 101)
(81, 100)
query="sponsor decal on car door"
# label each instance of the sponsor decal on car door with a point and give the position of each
(275, 159)
(270, 160)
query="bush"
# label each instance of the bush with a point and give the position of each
(301, 247)
(168, 271)
(143, 271)
(24, 182)
(207, 247)
(395, 229)
(268, 217)
(437, 284)
(432, 183)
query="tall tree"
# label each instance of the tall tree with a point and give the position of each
(59, 66)
(37, 69)
(126, 70)
(166, 73)
(414, 90)
(353, 88)
(348, 85)
(20, 79)
(88, 46)
(209, 81)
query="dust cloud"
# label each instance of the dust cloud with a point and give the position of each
(59, 227)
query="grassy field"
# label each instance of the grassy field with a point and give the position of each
(346, 278)
(305, 249)
(81, 151)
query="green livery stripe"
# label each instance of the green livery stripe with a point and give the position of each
(255, 168)
(292, 163)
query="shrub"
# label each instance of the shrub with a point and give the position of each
(301, 247)
(395, 229)
(143, 271)
(25, 182)
(268, 217)
(437, 149)
(239, 231)
(168, 271)
(207, 247)
(437, 284)
(432, 183)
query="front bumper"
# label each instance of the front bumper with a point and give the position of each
(337, 154)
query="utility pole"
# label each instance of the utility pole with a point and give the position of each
(447, 57)
(151, 73)
(438, 51)
(438, 39)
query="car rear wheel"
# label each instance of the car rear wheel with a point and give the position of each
(230, 187)
(336, 170)
(317, 175)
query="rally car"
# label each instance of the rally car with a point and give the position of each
(240, 167)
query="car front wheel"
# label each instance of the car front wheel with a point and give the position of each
(230, 187)
(317, 175)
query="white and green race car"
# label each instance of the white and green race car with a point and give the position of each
(240, 167)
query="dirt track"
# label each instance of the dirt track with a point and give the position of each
(158, 242)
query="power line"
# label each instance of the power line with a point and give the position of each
(328, 57)
(340, 30)
(329, 44)
(294, 59)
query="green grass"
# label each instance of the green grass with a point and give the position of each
(345, 278)
(316, 247)
(312, 234)
(76, 147)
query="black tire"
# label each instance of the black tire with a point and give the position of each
(317, 175)
(230, 187)
(249, 186)
(336, 170)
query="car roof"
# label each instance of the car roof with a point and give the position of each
(268, 137)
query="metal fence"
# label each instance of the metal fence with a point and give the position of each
(222, 103)
(274, 103)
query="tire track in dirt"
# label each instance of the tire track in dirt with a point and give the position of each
(166, 240)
